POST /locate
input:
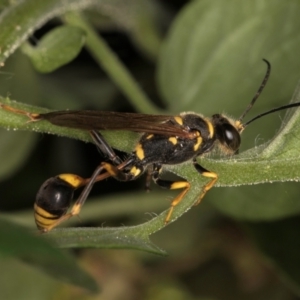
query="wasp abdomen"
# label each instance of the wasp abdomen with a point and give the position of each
(52, 201)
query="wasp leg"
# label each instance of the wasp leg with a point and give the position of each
(171, 185)
(110, 171)
(118, 171)
(207, 186)
(104, 148)
(148, 179)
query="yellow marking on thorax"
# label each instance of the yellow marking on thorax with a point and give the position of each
(178, 120)
(198, 143)
(150, 136)
(173, 140)
(139, 151)
(211, 129)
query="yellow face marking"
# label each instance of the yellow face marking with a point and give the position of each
(173, 140)
(239, 126)
(150, 136)
(198, 143)
(178, 120)
(139, 151)
(210, 128)
(135, 171)
(74, 180)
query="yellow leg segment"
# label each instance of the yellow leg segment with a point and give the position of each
(186, 186)
(207, 186)
(177, 200)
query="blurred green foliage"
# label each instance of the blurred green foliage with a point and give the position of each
(202, 56)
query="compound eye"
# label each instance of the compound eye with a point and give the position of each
(231, 137)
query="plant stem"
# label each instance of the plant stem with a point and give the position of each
(112, 65)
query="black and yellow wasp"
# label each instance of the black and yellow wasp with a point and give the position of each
(166, 140)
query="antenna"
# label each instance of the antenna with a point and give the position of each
(271, 111)
(263, 84)
(259, 91)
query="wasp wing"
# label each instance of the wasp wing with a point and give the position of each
(107, 120)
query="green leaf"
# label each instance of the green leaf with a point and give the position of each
(134, 237)
(279, 241)
(57, 48)
(17, 242)
(211, 64)
(264, 202)
(22, 18)
(211, 59)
